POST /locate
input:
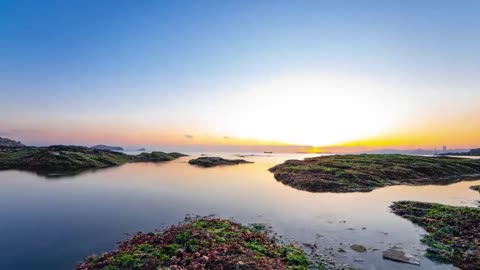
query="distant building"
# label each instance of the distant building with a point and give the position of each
(444, 149)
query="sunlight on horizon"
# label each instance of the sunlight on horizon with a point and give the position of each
(317, 110)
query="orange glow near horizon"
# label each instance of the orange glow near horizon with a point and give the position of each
(320, 112)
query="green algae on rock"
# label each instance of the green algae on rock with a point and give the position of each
(350, 173)
(62, 159)
(204, 243)
(215, 161)
(453, 232)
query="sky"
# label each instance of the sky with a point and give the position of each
(348, 74)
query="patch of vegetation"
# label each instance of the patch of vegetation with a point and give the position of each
(454, 232)
(61, 159)
(358, 248)
(202, 244)
(349, 173)
(215, 161)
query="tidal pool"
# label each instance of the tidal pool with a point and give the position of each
(53, 223)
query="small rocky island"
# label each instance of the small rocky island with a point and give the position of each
(204, 244)
(107, 147)
(61, 159)
(351, 173)
(215, 161)
(453, 232)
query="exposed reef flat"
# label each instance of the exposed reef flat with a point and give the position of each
(350, 173)
(215, 161)
(61, 159)
(203, 244)
(453, 232)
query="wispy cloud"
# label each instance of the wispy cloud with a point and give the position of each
(188, 136)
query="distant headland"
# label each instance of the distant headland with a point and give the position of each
(4, 142)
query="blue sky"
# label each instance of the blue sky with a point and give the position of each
(171, 63)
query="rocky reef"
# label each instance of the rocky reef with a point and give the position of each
(350, 173)
(215, 161)
(204, 243)
(453, 232)
(62, 160)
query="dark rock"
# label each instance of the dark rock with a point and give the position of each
(215, 161)
(399, 256)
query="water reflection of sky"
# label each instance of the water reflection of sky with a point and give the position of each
(54, 223)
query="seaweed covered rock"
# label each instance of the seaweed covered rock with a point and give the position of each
(156, 156)
(349, 173)
(63, 159)
(202, 244)
(453, 232)
(215, 161)
(59, 158)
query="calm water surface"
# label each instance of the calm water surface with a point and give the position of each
(53, 223)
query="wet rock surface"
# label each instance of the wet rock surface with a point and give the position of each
(397, 255)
